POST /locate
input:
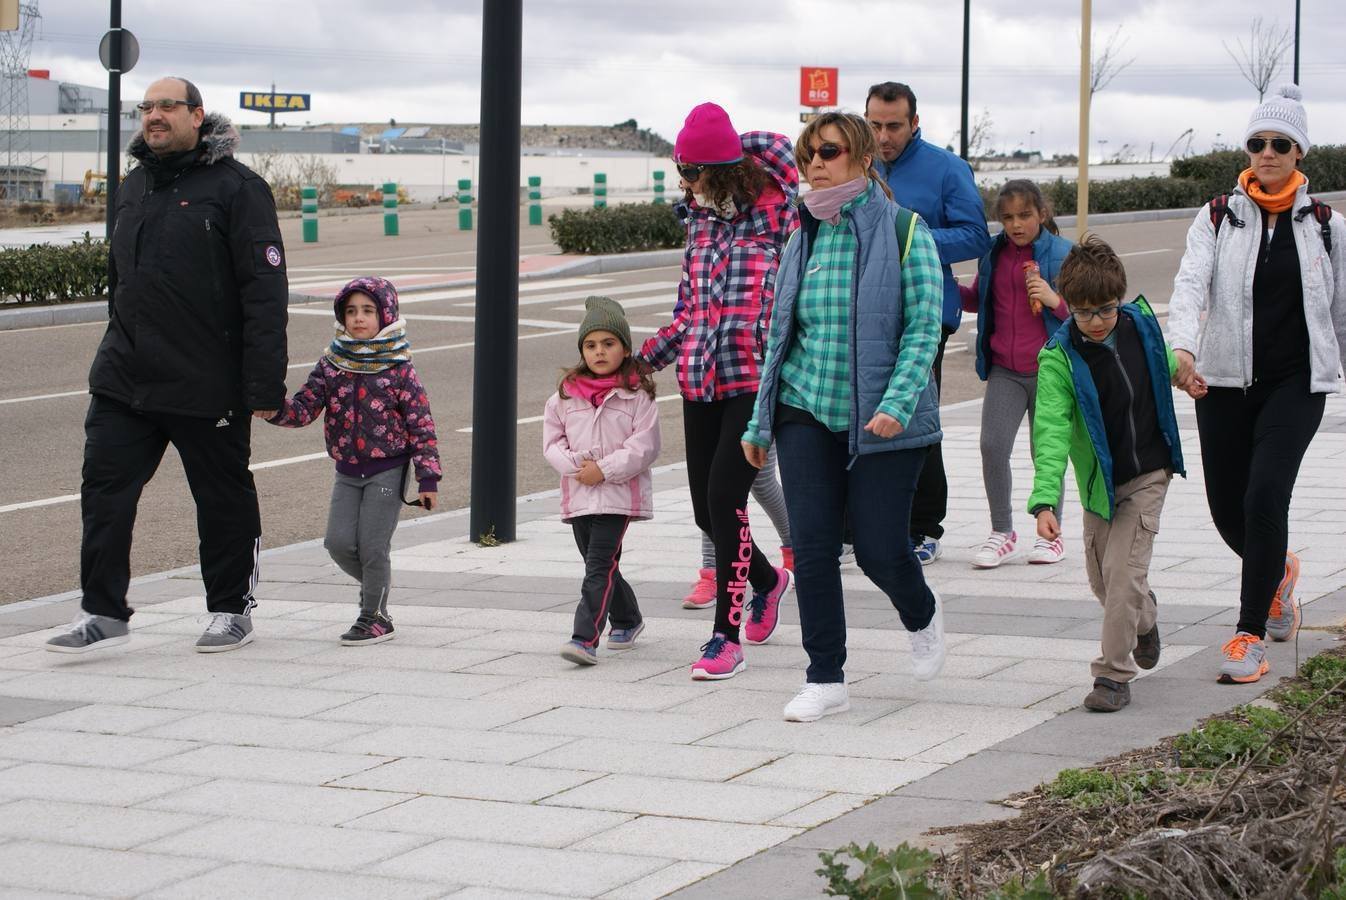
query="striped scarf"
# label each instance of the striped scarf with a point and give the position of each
(384, 350)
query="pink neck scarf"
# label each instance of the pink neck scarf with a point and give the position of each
(826, 203)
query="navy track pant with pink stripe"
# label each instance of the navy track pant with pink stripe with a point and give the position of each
(605, 594)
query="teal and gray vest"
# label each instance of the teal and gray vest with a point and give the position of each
(876, 325)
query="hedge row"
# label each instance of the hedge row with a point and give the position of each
(49, 272)
(617, 229)
(1190, 183)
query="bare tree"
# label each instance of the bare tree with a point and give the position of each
(1259, 60)
(1108, 64)
(979, 139)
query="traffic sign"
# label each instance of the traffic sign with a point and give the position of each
(130, 50)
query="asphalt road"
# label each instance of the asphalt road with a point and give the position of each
(43, 393)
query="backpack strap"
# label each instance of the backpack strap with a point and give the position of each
(1323, 213)
(1219, 211)
(906, 230)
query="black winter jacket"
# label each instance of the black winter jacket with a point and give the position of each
(197, 287)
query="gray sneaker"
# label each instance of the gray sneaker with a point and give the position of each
(90, 632)
(226, 631)
(1245, 660)
(1283, 618)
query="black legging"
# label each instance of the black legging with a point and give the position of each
(1251, 446)
(720, 478)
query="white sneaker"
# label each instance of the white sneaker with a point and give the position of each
(847, 557)
(997, 548)
(817, 700)
(927, 645)
(1046, 552)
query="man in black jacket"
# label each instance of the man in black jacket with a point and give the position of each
(195, 344)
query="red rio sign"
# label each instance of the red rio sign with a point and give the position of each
(817, 86)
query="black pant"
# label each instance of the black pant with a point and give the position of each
(931, 503)
(1251, 446)
(604, 593)
(122, 450)
(720, 478)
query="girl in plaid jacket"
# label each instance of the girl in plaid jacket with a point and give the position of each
(739, 199)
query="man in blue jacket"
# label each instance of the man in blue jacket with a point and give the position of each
(938, 186)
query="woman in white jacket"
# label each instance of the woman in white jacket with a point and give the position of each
(1266, 265)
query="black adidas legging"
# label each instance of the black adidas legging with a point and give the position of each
(720, 477)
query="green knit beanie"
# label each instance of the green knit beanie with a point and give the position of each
(605, 314)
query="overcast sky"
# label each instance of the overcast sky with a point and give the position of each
(605, 61)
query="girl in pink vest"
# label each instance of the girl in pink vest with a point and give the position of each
(600, 432)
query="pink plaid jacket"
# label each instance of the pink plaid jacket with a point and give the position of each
(719, 327)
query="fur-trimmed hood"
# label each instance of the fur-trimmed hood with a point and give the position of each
(219, 139)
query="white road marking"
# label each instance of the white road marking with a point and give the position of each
(82, 393)
(621, 290)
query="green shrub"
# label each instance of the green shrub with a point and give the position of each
(1321, 672)
(45, 272)
(1230, 740)
(899, 874)
(1190, 183)
(1091, 787)
(617, 229)
(1335, 889)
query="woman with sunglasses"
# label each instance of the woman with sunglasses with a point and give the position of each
(1267, 267)
(739, 198)
(847, 395)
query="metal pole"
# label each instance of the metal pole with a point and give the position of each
(114, 111)
(967, 41)
(1082, 178)
(495, 363)
(1296, 41)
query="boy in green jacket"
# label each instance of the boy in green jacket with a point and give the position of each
(1104, 401)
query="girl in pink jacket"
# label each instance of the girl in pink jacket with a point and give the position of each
(600, 432)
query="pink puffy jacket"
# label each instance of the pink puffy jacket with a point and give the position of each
(621, 435)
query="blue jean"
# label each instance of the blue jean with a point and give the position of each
(877, 491)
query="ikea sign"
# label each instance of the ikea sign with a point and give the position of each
(273, 102)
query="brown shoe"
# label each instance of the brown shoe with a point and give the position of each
(1146, 653)
(1108, 695)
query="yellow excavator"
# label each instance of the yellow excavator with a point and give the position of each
(95, 187)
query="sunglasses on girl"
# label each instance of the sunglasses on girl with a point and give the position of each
(690, 173)
(829, 151)
(1280, 145)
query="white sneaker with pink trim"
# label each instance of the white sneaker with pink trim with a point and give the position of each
(997, 548)
(1046, 552)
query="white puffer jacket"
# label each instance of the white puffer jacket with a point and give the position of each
(1216, 278)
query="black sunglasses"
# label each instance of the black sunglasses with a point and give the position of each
(830, 151)
(690, 173)
(1280, 145)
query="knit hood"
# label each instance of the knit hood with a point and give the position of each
(381, 289)
(218, 140)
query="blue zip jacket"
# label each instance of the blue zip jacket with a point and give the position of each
(939, 187)
(876, 325)
(1049, 251)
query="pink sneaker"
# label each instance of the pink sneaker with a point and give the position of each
(764, 610)
(703, 591)
(720, 658)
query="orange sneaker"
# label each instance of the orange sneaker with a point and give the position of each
(702, 593)
(1283, 619)
(1245, 660)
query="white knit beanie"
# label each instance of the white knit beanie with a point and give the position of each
(1284, 114)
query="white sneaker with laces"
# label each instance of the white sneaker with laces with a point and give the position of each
(1046, 552)
(927, 645)
(998, 547)
(817, 700)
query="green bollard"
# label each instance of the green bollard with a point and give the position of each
(309, 205)
(600, 190)
(464, 204)
(390, 209)
(658, 187)
(534, 200)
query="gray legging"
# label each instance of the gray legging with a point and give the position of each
(360, 528)
(1009, 396)
(766, 490)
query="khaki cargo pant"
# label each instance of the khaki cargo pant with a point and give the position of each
(1117, 559)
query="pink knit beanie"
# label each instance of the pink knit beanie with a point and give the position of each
(708, 138)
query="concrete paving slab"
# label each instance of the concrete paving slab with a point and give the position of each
(14, 710)
(300, 804)
(35, 865)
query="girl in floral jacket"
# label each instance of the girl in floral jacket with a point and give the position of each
(377, 422)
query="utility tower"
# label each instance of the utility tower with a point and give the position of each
(16, 149)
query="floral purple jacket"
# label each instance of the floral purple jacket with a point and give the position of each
(372, 421)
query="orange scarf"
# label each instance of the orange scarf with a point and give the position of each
(1279, 202)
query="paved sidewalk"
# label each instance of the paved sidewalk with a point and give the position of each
(466, 759)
